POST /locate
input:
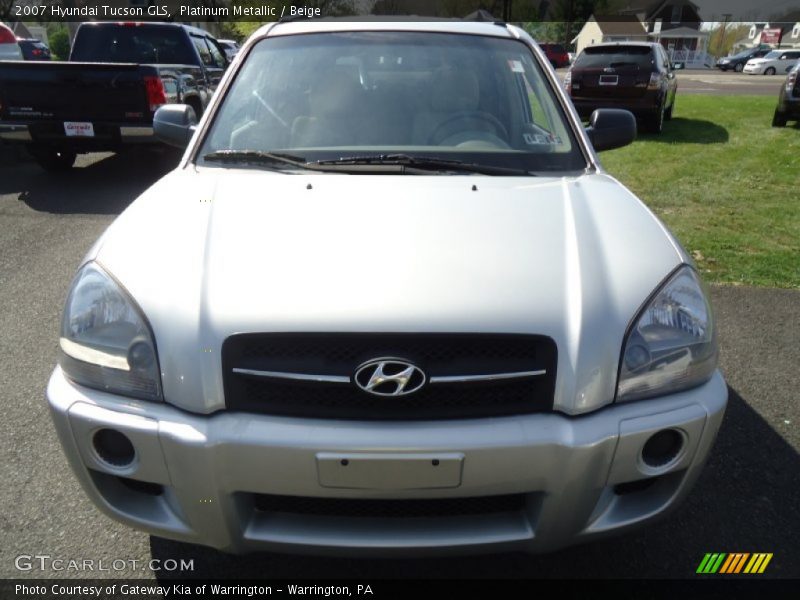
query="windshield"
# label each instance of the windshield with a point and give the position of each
(434, 95)
(131, 44)
(774, 54)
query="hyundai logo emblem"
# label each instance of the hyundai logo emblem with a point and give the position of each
(389, 377)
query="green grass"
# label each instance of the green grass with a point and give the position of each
(726, 183)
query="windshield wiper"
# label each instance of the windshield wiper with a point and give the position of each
(257, 157)
(422, 163)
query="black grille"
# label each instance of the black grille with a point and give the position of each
(398, 509)
(436, 354)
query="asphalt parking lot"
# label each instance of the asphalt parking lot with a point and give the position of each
(747, 499)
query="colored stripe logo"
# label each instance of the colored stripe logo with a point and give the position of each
(734, 563)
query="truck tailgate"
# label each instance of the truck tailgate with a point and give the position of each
(74, 92)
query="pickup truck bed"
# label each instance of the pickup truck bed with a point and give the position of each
(105, 96)
(38, 101)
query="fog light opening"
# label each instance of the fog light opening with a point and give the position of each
(662, 448)
(143, 487)
(113, 447)
(631, 487)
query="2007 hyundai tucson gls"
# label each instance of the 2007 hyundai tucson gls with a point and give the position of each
(389, 302)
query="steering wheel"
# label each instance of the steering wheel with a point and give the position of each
(448, 127)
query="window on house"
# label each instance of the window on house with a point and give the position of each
(752, 32)
(796, 31)
(677, 9)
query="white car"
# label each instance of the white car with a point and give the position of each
(9, 46)
(389, 303)
(777, 61)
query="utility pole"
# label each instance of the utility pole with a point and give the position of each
(568, 31)
(724, 31)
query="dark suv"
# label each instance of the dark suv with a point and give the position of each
(634, 76)
(788, 108)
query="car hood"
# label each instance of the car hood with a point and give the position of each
(214, 252)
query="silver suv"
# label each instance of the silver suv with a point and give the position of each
(389, 302)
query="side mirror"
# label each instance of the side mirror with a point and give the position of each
(677, 66)
(174, 124)
(611, 128)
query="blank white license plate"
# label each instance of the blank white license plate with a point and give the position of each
(390, 471)
(78, 129)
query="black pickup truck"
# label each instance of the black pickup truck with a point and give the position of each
(104, 97)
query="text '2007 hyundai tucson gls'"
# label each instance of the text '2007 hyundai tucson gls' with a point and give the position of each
(388, 279)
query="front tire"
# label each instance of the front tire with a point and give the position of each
(53, 160)
(739, 68)
(769, 71)
(779, 119)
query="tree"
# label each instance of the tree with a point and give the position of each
(59, 44)
(720, 45)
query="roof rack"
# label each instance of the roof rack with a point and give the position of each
(483, 16)
(478, 16)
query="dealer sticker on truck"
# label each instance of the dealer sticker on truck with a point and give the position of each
(78, 129)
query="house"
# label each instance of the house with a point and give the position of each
(599, 29)
(794, 36)
(781, 33)
(675, 24)
(671, 14)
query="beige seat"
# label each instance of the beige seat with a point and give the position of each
(455, 103)
(334, 105)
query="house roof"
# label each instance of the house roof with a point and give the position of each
(620, 25)
(649, 7)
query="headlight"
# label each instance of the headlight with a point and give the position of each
(672, 345)
(105, 340)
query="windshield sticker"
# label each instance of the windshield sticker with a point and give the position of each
(538, 139)
(516, 66)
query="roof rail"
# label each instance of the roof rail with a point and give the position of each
(301, 17)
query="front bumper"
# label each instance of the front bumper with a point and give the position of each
(754, 69)
(789, 105)
(643, 106)
(209, 471)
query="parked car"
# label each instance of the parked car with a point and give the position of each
(788, 108)
(777, 61)
(556, 54)
(635, 76)
(739, 60)
(231, 47)
(33, 49)
(388, 303)
(104, 97)
(9, 49)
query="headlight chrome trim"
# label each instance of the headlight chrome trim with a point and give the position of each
(108, 371)
(712, 357)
